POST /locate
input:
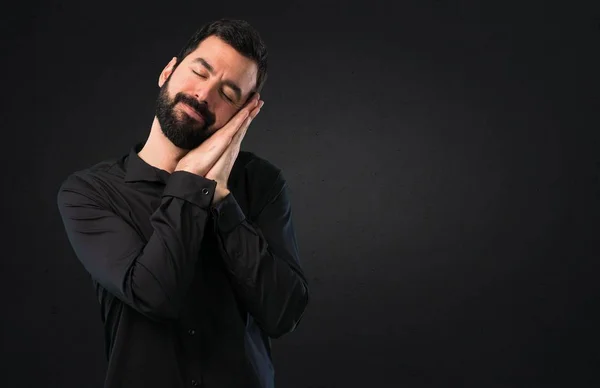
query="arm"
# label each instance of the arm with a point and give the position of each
(151, 277)
(262, 259)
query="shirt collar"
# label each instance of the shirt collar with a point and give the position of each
(137, 169)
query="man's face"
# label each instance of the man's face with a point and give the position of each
(203, 92)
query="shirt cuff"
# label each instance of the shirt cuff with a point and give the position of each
(191, 188)
(228, 214)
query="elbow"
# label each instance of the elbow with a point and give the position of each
(160, 312)
(279, 331)
(155, 309)
(291, 315)
(151, 300)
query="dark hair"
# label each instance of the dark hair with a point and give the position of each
(240, 35)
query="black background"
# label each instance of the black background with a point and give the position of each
(443, 161)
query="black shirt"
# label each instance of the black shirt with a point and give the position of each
(190, 294)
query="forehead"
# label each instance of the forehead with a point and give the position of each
(226, 62)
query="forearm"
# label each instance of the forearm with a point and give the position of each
(267, 277)
(163, 269)
(151, 276)
(272, 291)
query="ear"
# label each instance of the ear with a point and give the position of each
(166, 72)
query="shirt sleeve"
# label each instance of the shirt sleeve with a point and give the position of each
(263, 261)
(150, 276)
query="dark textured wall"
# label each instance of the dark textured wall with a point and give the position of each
(443, 162)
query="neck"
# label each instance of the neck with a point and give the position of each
(159, 152)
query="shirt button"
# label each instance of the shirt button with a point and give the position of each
(191, 331)
(195, 383)
(205, 191)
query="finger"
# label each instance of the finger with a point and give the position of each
(255, 111)
(247, 121)
(222, 138)
(236, 122)
(251, 116)
(252, 104)
(239, 135)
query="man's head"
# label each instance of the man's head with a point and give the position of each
(222, 65)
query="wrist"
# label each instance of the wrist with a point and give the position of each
(220, 194)
(186, 169)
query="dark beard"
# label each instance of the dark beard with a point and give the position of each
(181, 129)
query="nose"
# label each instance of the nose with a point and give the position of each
(204, 92)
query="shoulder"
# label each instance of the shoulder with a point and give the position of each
(89, 180)
(257, 168)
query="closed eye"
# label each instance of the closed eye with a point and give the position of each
(199, 75)
(229, 99)
(226, 97)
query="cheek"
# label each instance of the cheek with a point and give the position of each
(223, 115)
(179, 82)
(172, 89)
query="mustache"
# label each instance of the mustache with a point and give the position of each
(200, 108)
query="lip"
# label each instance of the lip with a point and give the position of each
(190, 111)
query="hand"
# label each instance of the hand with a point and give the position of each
(222, 168)
(202, 158)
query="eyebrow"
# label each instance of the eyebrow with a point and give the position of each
(236, 89)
